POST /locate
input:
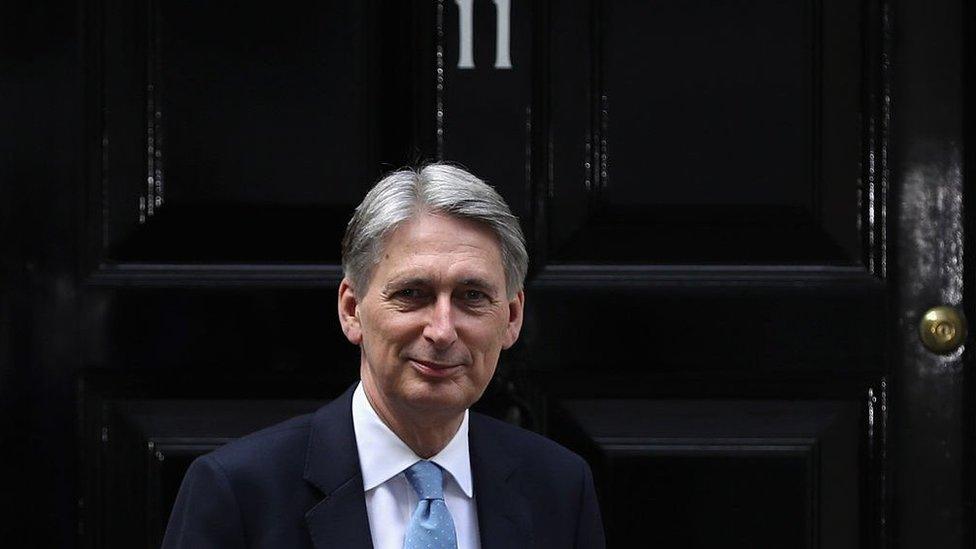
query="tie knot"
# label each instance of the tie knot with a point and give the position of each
(427, 479)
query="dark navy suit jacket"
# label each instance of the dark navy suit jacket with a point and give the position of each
(298, 484)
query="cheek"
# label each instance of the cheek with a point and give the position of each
(487, 336)
(389, 331)
(488, 330)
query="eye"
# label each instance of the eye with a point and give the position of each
(475, 295)
(407, 293)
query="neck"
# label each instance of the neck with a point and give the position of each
(425, 434)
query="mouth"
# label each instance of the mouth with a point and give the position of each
(434, 369)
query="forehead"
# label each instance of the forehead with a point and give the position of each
(448, 245)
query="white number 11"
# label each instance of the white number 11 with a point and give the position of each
(503, 59)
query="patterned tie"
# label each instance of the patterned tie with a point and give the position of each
(431, 526)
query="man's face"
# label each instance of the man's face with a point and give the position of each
(434, 317)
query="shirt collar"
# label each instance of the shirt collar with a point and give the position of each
(382, 455)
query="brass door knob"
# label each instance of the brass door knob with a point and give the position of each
(942, 329)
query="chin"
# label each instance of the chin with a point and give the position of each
(442, 395)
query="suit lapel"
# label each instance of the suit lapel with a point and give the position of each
(340, 519)
(504, 518)
(332, 466)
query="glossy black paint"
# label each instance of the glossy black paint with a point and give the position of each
(723, 207)
(41, 306)
(930, 410)
(687, 152)
(678, 458)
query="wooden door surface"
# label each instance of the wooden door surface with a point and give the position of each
(737, 214)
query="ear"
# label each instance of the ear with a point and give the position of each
(515, 309)
(349, 313)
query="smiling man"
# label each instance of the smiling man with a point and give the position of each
(434, 265)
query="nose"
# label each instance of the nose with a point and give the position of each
(440, 330)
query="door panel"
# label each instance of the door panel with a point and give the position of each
(745, 473)
(228, 136)
(710, 133)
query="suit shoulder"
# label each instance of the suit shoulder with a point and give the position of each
(280, 442)
(525, 444)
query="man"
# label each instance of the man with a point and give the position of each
(434, 265)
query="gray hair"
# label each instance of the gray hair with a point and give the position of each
(438, 188)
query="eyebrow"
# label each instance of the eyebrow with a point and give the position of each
(479, 284)
(403, 282)
(470, 282)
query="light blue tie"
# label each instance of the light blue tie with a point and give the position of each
(431, 526)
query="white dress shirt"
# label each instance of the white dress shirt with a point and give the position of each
(390, 500)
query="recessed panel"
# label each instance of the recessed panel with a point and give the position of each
(714, 133)
(263, 109)
(237, 135)
(699, 500)
(709, 102)
(694, 472)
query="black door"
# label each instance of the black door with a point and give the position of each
(738, 214)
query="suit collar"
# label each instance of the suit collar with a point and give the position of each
(340, 519)
(503, 514)
(332, 466)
